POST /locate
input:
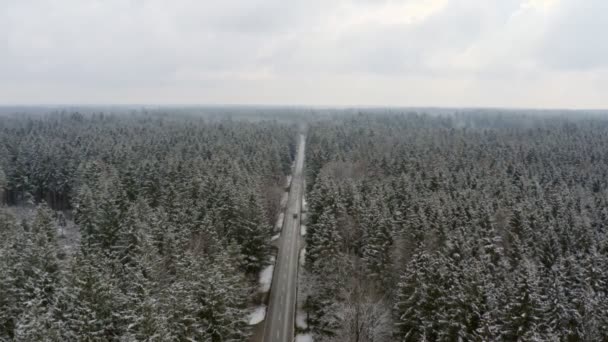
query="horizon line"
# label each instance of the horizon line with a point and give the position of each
(295, 106)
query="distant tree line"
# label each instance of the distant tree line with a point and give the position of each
(174, 215)
(462, 227)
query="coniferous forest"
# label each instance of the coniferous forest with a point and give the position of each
(173, 215)
(461, 225)
(474, 226)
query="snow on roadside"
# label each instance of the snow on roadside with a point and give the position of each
(275, 237)
(304, 205)
(284, 200)
(303, 256)
(304, 338)
(302, 229)
(279, 224)
(301, 320)
(257, 315)
(288, 181)
(266, 278)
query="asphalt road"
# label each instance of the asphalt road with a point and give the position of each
(279, 323)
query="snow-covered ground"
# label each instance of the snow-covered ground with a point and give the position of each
(68, 236)
(304, 205)
(284, 199)
(303, 256)
(266, 278)
(288, 181)
(303, 229)
(257, 315)
(275, 237)
(304, 338)
(279, 224)
(301, 320)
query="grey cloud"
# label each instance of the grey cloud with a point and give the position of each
(577, 37)
(397, 49)
(279, 51)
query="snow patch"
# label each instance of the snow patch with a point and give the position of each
(304, 204)
(288, 182)
(284, 200)
(302, 229)
(257, 315)
(303, 256)
(301, 320)
(266, 278)
(304, 338)
(275, 237)
(280, 221)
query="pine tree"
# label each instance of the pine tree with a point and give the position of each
(523, 305)
(377, 243)
(208, 301)
(111, 208)
(223, 306)
(130, 233)
(86, 216)
(253, 236)
(141, 286)
(35, 284)
(3, 184)
(323, 305)
(420, 295)
(13, 276)
(561, 315)
(43, 257)
(93, 304)
(38, 323)
(323, 243)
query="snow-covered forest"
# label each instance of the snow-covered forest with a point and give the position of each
(171, 215)
(451, 226)
(465, 227)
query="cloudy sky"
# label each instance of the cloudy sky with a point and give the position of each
(482, 53)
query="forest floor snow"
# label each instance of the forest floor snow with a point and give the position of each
(257, 315)
(266, 276)
(304, 338)
(303, 256)
(303, 229)
(275, 237)
(288, 181)
(68, 236)
(301, 320)
(284, 199)
(279, 224)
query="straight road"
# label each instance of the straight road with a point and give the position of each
(279, 324)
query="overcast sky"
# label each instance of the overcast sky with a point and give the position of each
(496, 53)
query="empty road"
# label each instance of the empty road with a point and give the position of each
(279, 324)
